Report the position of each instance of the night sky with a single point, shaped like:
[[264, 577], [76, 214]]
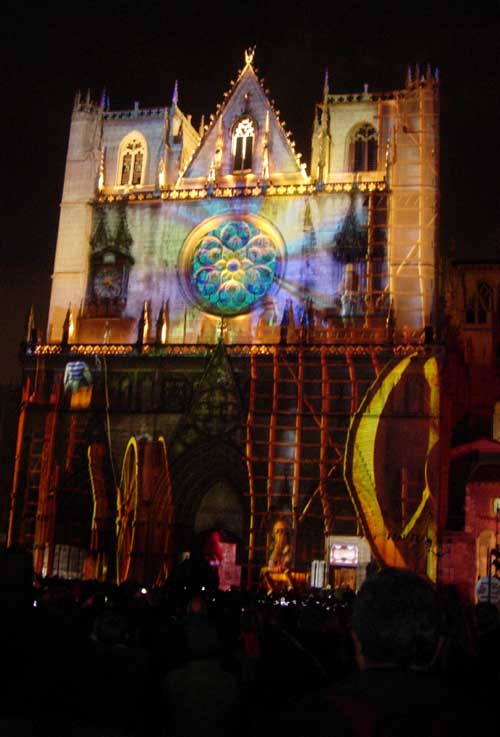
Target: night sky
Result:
[[137, 51]]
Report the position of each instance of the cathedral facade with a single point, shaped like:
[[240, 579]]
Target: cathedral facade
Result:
[[236, 340]]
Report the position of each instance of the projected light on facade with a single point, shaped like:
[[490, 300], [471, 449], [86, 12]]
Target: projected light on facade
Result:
[[391, 462], [232, 266]]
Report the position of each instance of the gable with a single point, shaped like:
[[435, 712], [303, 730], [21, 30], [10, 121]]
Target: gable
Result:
[[272, 154]]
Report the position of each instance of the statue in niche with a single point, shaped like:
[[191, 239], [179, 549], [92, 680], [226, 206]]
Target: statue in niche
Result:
[[349, 294], [268, 318], [278, 573], [217, 157]]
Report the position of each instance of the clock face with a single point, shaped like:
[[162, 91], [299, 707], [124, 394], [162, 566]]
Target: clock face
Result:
[[108, 283]]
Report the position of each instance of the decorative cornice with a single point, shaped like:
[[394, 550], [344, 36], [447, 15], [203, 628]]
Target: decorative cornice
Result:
[[203, 193], [157, 112], [232, 349], [339, 99]]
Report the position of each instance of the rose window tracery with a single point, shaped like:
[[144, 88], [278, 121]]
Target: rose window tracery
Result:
[[233, 266]]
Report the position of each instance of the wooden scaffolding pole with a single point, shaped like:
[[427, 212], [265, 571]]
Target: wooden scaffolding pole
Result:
[[48, 475], [298, 447], [323, 472], [17, 462], [272, 435], [251, 478]]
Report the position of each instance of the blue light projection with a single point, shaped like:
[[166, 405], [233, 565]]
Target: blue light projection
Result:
[[233, 266]]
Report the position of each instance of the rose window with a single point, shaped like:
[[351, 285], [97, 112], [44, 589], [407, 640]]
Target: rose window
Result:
[[232, 267]]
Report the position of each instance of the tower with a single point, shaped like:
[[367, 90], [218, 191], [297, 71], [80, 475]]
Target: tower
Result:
[[83, 161]]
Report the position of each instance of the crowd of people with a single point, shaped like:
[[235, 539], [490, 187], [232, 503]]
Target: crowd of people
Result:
[[400, 657]]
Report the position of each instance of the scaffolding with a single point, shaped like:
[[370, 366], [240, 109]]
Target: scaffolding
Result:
[[413, 200], [300, 407]]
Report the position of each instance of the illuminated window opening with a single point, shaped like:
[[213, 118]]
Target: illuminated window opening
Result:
[[132, 161], [364, 149], [242, 145]]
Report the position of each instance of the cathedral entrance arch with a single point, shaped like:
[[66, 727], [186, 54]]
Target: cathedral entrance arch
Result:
[[220, 508], [210, 490]]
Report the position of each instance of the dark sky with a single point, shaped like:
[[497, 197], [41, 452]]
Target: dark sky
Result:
[[138, 50]]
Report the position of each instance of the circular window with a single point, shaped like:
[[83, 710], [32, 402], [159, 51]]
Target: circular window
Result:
[[232, 266]]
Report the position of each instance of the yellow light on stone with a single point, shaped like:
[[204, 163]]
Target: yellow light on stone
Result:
[[71, 328]]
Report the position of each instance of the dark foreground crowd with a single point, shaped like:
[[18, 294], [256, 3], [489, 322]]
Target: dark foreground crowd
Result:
[[400, 659]]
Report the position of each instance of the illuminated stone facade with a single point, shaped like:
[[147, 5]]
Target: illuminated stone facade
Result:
[[239, 335], [356, 236]]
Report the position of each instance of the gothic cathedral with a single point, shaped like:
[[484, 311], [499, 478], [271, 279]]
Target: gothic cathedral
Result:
[[238, 339]]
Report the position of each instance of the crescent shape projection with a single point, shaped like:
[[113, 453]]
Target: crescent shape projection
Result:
[[395, 540]]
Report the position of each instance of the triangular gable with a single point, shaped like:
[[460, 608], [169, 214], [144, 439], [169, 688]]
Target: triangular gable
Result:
[[273, 156]]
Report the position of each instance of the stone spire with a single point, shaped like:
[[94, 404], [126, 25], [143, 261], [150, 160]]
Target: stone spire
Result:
[[123, 238], [31, 335], [66, 328], [265, 150], [175, 94], [249, 55], [162, 324], [326, 87], [100, 238], [323, 133], [143, 325]]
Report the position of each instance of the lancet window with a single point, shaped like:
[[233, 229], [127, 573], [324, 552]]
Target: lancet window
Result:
[[132, 162], [243, 144], [364, 148], [479, 304]]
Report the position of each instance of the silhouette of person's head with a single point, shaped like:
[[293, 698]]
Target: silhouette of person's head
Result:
[[16, 580], [396, 620]]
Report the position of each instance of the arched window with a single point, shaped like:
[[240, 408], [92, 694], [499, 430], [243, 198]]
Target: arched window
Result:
[[132, 161], [363, 148], [479, 304], [485, 302], [242, 144]]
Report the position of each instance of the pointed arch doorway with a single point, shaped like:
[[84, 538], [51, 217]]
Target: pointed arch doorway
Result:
[[220, 508], [221, 511], [210, 487]]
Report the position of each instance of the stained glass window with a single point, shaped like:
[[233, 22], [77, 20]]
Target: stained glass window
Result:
[[243, 139], [232, 267], [479, 304], [132, 162], [137, 174], [126, 165]]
